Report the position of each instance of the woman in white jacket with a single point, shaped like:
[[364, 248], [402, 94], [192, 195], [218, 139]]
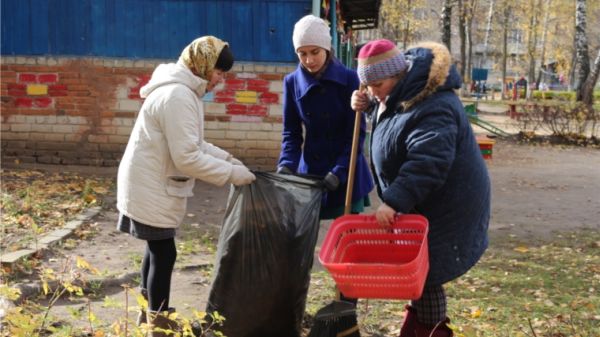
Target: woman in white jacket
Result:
[[165, 153]]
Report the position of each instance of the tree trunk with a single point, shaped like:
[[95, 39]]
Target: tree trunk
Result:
[[587, 92], [463, 38], [447, 24], [581, 44], [573, 67], [469, 39], [532, 41], [507, 10], [544, 34], [488, 30], [407, 27]]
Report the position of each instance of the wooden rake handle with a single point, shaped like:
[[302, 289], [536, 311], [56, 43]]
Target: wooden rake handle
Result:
[[353, 155]]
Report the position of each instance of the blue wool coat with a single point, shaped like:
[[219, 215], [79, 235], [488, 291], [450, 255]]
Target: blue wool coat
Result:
[[322, 108], [426, 160]]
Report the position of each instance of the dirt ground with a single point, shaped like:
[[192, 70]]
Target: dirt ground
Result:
[[536, 190]]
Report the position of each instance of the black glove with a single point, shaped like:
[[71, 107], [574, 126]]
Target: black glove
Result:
[[284, 170], [331, 182]]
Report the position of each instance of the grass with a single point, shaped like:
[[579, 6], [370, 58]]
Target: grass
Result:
[[549, 289], [522, 289]]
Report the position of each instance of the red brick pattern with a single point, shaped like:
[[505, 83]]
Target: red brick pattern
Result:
[[93, 108], [261, 86], [142, 80], [17, 90]]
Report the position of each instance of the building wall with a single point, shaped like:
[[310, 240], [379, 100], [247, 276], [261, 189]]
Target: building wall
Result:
[[80, 111], [257, 30]]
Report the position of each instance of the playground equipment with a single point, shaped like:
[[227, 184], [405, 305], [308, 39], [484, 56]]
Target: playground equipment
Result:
[[471, 111]]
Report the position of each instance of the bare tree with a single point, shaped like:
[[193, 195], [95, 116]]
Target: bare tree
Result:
[[581, 46], [488, 30], [532, 35], [463, 38], [505, 27], [544, 36], [447, 23], [470, 7], [407, 27], [587, 90]]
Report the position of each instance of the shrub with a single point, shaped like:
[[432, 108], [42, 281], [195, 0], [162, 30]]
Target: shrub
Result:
[[562, 120]]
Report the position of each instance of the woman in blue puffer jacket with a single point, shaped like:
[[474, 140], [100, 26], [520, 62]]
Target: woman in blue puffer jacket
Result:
[[426, 160]]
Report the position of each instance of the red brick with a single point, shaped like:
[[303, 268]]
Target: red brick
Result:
[[57, 90], [258, 83], [47, 78], [235, 84], [225, 93], [142, 80], [237, 109], [8, 74], [271, 77], [57, 93], [57, 87], [17, 92], [258, 88], [17, 86], [27, 78], [23, 102], [222, 118], [257, 110], [42, 102], [224, 99], [65, 106], [125, 114], [70, 75], [269, 98]]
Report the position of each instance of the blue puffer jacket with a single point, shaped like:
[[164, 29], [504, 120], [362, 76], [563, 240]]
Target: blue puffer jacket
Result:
[[322, 108], [426, 160]]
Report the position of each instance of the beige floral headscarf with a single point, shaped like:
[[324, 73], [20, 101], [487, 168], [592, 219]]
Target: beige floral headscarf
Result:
[[201, 55]]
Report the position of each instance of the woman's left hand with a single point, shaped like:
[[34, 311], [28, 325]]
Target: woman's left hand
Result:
[[385, 215]]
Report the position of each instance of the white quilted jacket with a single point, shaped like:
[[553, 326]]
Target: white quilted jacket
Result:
[[166, 150]]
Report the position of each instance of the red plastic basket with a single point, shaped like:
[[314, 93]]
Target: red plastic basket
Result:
[[370, 261]]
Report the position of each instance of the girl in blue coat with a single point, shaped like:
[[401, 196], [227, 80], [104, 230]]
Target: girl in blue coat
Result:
[[426, 160], [318, 125], [318, 120]]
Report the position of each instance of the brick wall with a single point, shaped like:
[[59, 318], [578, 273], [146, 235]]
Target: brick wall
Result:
[[80, 111]]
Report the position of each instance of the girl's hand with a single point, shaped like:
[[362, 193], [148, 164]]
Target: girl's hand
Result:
[[359, 101], [385, 215]]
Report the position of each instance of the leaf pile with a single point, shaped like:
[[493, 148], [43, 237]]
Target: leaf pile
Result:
[[34, 203]]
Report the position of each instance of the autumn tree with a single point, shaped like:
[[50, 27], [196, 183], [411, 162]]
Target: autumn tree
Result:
[[466, 10], [581, 46], [403, 20], [506, 15], [587, 90], [447, 23], [547, 9]]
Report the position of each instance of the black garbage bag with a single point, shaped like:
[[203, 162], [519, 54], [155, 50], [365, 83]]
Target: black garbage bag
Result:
[[264, 256]]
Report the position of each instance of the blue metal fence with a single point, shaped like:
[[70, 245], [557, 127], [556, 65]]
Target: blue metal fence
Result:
[[257, 30]]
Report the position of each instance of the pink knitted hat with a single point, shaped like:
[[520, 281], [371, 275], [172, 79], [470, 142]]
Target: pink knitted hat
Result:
[[379, 59]]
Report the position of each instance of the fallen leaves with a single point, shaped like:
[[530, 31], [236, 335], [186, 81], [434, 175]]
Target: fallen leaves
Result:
[[34, 202]]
